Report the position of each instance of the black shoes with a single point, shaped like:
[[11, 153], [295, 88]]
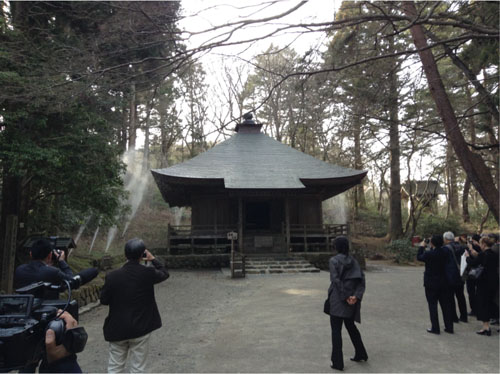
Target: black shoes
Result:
[[463, 319], [432, 331], [360, 358], [449, 331], [484, 332], [340, 368]]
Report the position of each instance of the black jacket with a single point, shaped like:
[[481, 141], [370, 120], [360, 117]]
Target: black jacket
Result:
[[129, 292], [452, 266], [347, 279], [435, 261], [38, 271]]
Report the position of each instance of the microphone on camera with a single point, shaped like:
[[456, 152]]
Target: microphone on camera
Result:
[[83, 277]]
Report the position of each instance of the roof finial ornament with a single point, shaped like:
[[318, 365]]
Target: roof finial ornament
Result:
[[248, 119]]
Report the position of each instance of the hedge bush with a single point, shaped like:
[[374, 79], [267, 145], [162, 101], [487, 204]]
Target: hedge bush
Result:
[[402, 250], [429, 225]]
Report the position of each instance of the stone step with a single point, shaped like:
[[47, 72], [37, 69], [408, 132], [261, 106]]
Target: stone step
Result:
[[280, 262], [282, 271], [282, 265], [270, 258], [301, 266]]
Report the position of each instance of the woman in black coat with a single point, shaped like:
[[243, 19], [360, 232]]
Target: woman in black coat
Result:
[[345, 293], [487, 283]]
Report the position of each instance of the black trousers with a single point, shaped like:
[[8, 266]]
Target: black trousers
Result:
[[443, 296], [458, 293], [336, 325], [471, 290]]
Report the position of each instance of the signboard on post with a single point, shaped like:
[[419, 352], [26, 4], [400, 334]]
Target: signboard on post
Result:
[[232, 235]]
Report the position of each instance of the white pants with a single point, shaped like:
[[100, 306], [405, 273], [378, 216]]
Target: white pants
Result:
[[137, 351]]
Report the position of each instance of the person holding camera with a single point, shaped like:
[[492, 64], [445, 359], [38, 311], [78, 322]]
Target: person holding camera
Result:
[[455, 281], [470, 282], [431, 252], [487, 282], [58, 359], [47, 265], [133, 313]]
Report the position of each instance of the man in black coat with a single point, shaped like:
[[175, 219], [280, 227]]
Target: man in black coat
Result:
[[435, 283], [41, 268], [455, 281], [133, 313]]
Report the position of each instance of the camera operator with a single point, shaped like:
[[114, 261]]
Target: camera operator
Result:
[[58, 359], [47, 265], [133, 313]]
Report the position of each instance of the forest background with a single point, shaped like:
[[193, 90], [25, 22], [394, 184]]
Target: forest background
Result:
[[95, 94]]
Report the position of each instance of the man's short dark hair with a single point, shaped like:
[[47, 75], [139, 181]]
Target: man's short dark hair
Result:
[[437, 240], [493, 236], [341, 244], [134, 249], [41, 249]]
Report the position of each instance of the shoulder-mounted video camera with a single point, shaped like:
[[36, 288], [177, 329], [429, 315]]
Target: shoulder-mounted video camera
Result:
[[24, 320]]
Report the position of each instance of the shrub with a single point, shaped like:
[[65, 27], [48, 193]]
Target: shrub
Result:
[[402, 250], [370, 223], [429, 225]]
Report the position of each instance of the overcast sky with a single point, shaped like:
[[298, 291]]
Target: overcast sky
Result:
[[200, 15]]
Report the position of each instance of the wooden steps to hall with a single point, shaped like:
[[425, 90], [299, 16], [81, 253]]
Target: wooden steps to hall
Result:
[[278, 265]]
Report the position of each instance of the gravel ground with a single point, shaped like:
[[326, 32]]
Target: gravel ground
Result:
[[275, 323]]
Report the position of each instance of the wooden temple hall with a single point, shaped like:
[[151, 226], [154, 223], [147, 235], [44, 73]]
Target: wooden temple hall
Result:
[[268, 193]]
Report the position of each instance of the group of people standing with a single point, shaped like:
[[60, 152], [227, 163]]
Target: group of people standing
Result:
[[450, 263]]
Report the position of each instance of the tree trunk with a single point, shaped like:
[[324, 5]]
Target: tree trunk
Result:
[[465, 201], [451, 166], [123, 137], [358, 163], [11, 203], [132, 129], [473, 164], [472, 137], [395, 217]]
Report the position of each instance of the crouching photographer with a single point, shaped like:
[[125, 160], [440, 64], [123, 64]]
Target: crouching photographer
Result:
[[46, 265], [34, 330], [35, 326]]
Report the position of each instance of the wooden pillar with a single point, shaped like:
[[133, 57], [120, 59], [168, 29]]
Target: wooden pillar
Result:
[[287, 223], [240, 225], [9, 254]]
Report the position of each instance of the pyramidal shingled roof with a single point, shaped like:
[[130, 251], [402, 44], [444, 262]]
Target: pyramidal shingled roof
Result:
[[252, 160]]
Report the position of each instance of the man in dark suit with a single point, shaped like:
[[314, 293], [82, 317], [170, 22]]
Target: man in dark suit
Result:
[[133, 313], [455, 281], [41, 268], [435, 282]]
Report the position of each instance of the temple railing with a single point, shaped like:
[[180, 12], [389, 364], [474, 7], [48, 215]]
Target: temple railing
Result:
[[313, 238], [199, 239], [212, 239]]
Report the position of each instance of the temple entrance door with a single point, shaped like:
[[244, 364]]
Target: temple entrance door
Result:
[[258, 215]]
